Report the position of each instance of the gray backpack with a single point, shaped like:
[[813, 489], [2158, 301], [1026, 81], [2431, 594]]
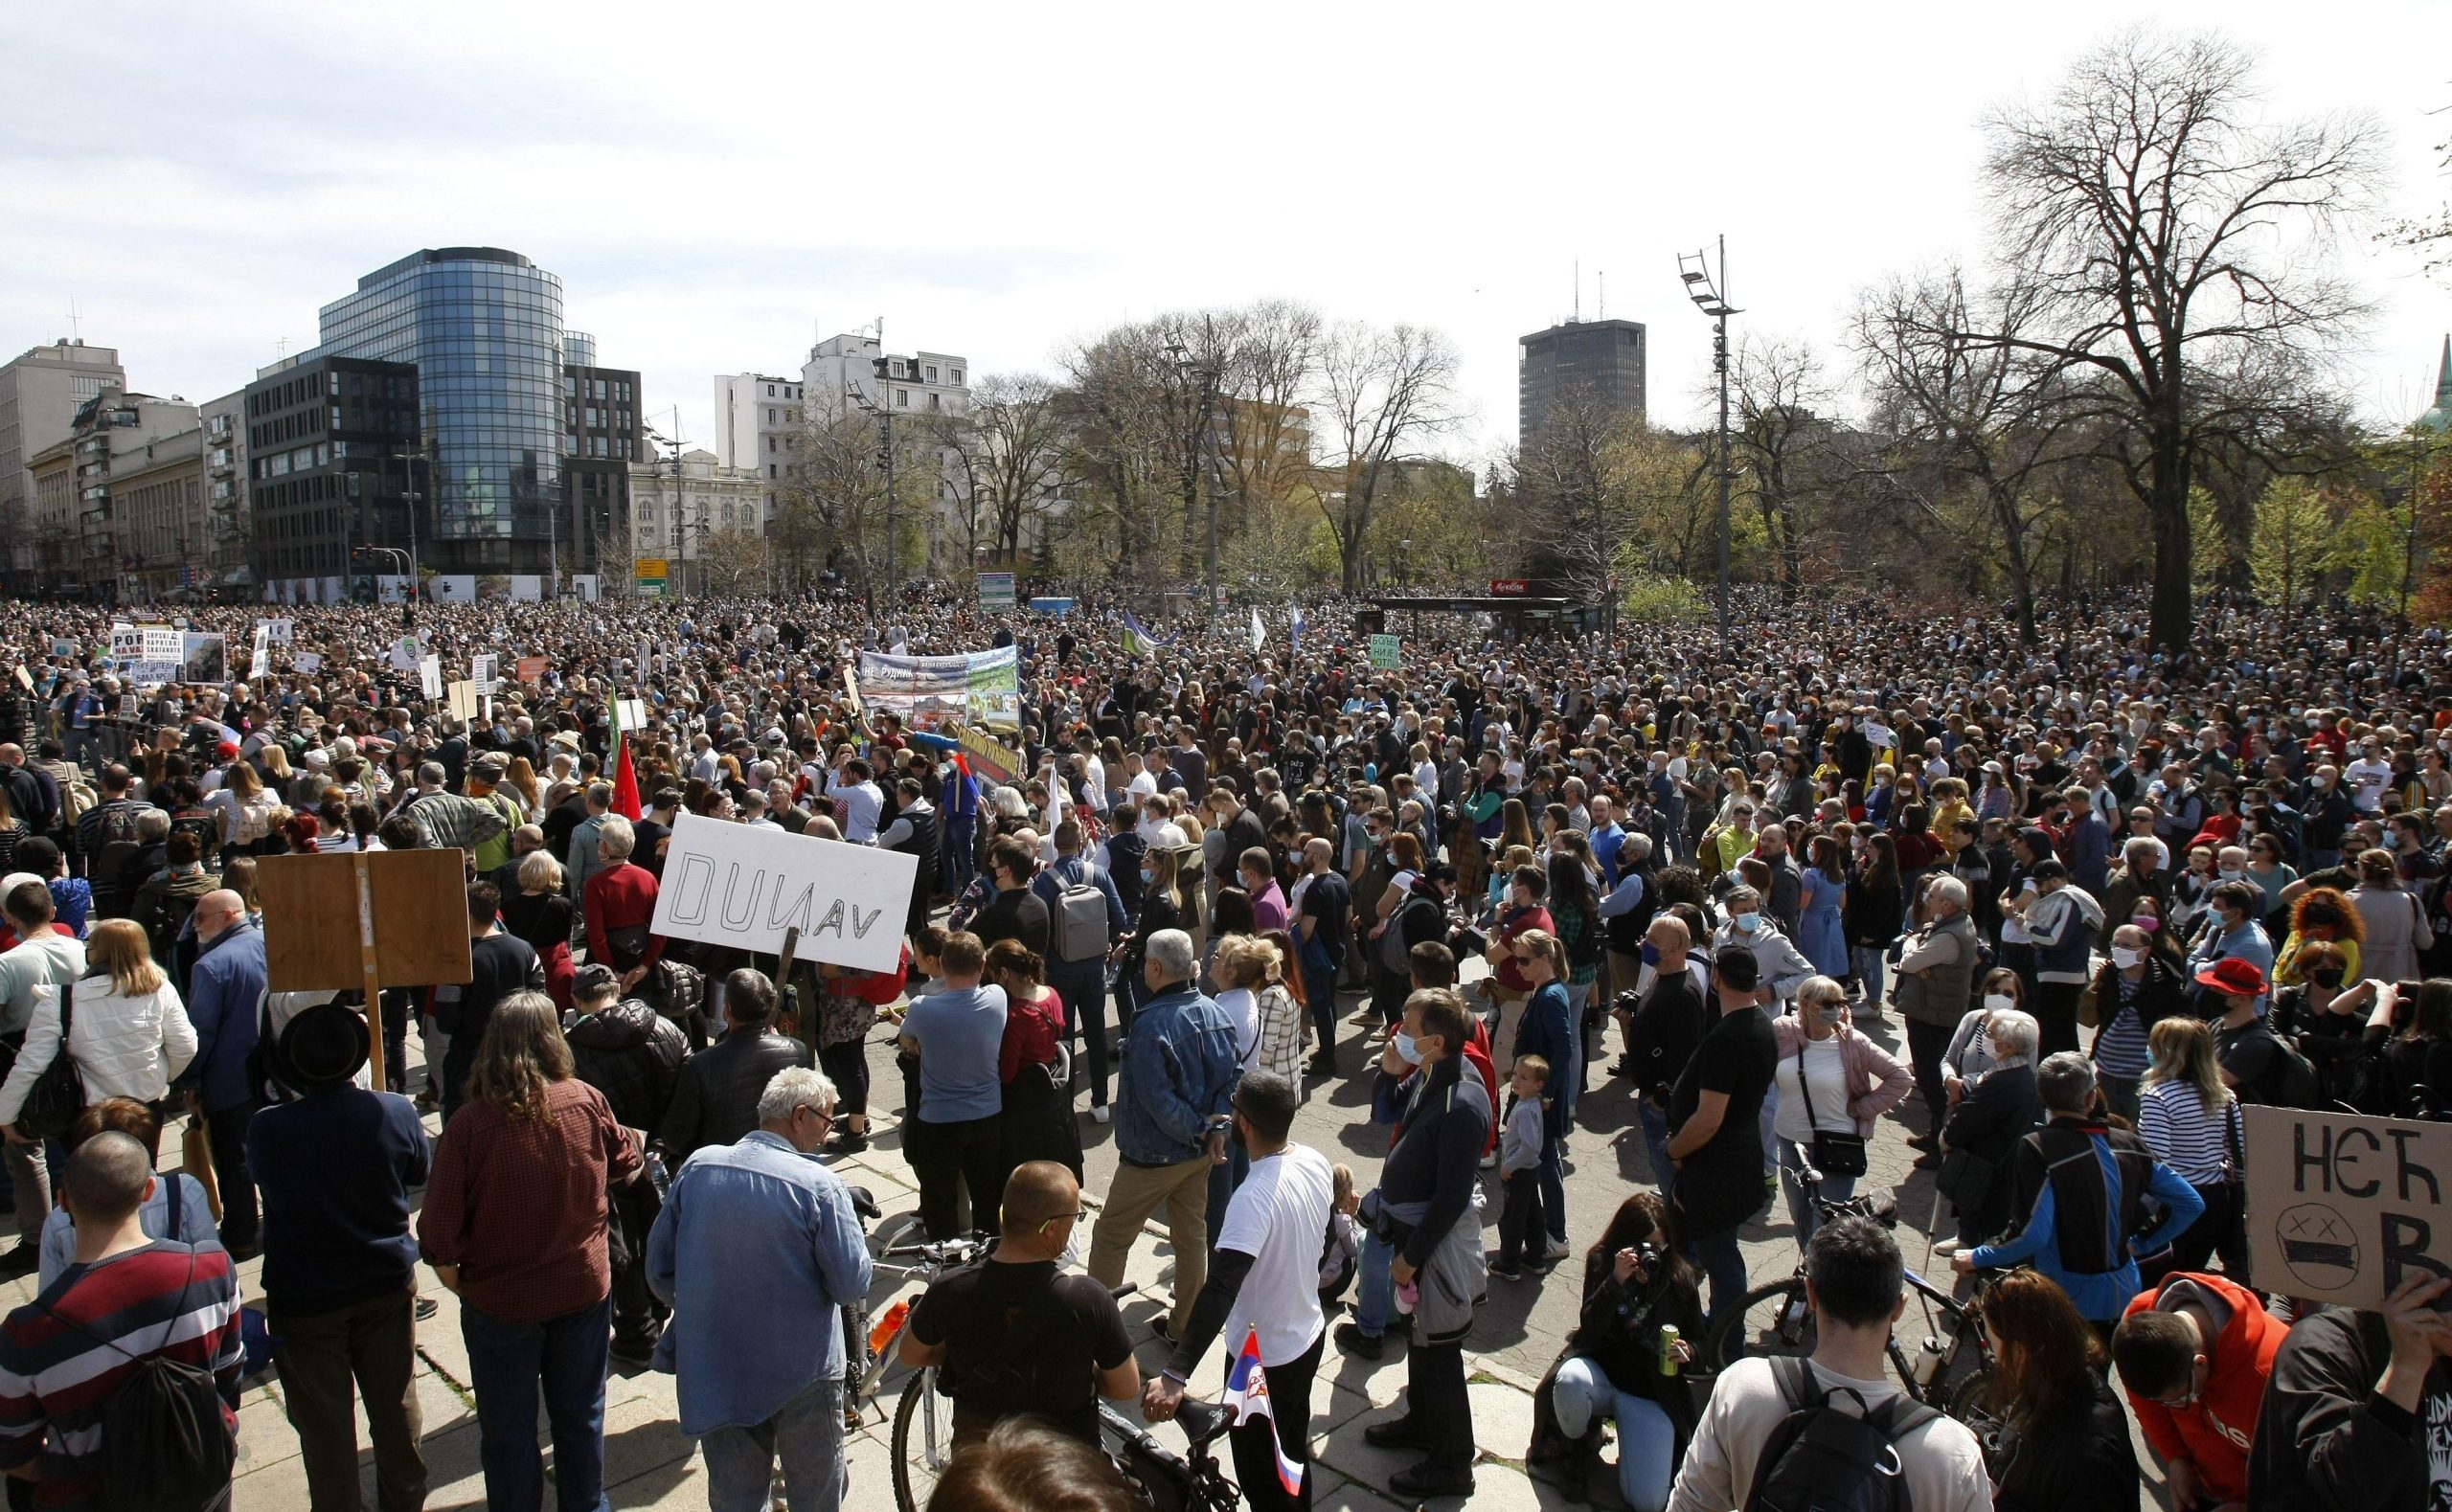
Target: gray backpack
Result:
[[1078, 922]]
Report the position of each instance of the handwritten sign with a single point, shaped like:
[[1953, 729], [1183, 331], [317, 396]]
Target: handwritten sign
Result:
[[1386, 655], [2342, 1207], [731, 885]]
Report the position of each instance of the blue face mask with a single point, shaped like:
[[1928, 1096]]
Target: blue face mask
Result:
[[1650, 953], [1406, 1050], [1147, 876], [1747, 924]]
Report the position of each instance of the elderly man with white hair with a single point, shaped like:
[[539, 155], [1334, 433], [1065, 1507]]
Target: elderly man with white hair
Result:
[[1172, 1104], [1936, 981], [760, 1369]]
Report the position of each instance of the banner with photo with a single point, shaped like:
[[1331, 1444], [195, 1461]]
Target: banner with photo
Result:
[[979, 687]]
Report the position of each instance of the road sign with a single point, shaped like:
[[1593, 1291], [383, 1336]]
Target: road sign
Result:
[[656, 566]]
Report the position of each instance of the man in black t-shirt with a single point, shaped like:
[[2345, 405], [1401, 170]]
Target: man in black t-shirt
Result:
[[1014, 1335], [1321, 926], [1715, 1113]]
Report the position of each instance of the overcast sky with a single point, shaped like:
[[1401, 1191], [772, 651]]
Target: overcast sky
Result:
[[716, 184]]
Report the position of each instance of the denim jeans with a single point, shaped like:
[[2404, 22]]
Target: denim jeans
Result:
[[1655, 1121], [807, 1432], [1646, 1440], [1871, 965], [1374, 1297], [1724, 1263], [1801, 1213], [1554, 1191], [509, 1365], [1320, 991], [1222, 1181]]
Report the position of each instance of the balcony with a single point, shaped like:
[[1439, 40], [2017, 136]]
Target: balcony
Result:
[[100, 492], [217, 429]]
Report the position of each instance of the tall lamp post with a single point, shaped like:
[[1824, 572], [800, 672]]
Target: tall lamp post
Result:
[[1707, 288], [680, 541], [1205, 372]]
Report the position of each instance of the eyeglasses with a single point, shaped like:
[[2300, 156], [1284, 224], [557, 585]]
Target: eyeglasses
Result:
[[1076, 1216]]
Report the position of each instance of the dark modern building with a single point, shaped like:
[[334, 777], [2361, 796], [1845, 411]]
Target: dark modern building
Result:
[[1603, 359], [483, 327], [602, 432], [331, 445]]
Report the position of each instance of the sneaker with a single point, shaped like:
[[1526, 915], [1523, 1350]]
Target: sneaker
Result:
[[1490, 1161], [1556, 1249], [846, 1142], [427, 1308], [1504, 1271], [23, 1258], [1945, 1247], [1100, 1114], [1354, 1342]]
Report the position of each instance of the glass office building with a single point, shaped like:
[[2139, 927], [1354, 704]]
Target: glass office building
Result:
[[484, 328]]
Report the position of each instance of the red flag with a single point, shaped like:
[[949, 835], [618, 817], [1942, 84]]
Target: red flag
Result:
[[625, 785]]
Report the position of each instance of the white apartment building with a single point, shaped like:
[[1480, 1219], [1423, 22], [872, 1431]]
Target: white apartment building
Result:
[[921, 391], [758, 417]]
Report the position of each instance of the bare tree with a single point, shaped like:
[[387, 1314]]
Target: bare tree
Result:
[[1986, 415], [1383, 390], [2165, 232], [1782, 423], [1013, 445]]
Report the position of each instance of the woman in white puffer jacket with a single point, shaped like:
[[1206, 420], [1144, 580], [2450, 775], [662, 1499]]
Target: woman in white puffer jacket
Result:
[[128, 1032]]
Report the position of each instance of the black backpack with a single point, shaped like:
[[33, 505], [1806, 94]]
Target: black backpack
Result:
[[167, 1447], [1823, 1459]]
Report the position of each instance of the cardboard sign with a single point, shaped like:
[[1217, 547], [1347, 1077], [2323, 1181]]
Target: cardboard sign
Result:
[[404, 654], [397, 918], [1385, 654], [204, 660], [430, 676], [482, 670], [634, 713], [307, 662], [852, 691], [127, 643], [532, 669], [2342, 1207], [992, 760], [128, 705], [463, 701], [279, 630], [731, 885], [259, 659]]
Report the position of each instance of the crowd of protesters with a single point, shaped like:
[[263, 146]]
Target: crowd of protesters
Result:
[[2048, 915]]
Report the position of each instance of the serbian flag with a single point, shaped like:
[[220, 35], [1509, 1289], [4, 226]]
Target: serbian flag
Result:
[[1248, 1396], [626, 778]]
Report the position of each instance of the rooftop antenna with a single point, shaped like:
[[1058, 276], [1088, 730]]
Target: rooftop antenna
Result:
[[76, 324], [1602, 279], [281, 347], [1577, 317]]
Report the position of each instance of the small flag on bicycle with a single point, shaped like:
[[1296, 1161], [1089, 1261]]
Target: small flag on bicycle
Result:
[[1247, 1395]]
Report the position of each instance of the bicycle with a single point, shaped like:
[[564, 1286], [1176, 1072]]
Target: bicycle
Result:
[[1952, 1366], [924, 1429]]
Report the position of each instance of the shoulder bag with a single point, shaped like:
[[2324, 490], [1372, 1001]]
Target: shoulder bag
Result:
[[59, 1095], [1832, 1154]]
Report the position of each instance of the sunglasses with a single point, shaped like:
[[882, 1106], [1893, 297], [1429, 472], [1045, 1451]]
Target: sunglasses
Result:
[[1076, 1216]]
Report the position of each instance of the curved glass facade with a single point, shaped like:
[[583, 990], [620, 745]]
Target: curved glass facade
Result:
[[484, 328]]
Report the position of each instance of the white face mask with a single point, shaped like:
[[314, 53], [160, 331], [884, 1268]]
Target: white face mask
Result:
[[2125, 957], [1998, 1003], [1406, 1050]]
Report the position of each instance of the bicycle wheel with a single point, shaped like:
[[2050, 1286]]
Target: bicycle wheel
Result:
[[923, 1439], [1774, 1319]]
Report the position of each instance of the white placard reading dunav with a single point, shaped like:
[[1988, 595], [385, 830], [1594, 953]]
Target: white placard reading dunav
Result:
[[731, 885]]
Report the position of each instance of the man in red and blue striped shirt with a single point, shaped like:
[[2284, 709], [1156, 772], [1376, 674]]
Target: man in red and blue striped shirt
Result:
[[125, 1299]]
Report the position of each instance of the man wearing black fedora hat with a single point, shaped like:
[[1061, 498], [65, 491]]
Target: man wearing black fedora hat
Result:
[[334, 1169]]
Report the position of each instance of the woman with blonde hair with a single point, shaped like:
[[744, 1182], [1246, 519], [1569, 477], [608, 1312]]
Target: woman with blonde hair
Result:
[[514, 1225], [127, 1033], [244, 806], [2191, 1121], [520, 777], [1833, 1082], [1269, 1026]]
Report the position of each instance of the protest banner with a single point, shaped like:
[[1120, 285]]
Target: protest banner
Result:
[[482, 670], [463, 701], [1386, 655], [430, 676], [1052, 605], [2341, 1206], [280, 630], [988, 757], [259, 659], [204, 660], [973, 687], [731, 885], [307, 662], [127, 643], [530, 669], [396, 918], [404, 654]]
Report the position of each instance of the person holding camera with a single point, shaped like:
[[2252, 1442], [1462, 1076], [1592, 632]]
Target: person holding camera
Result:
[[1642, 1310]]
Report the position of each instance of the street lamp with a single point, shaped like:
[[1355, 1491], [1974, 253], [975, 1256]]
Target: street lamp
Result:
[[1207, 373], [1710, 294], [408, 461], [680, 542]]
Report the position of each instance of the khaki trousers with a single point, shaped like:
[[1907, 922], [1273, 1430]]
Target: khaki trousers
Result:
[[1140, 1190]]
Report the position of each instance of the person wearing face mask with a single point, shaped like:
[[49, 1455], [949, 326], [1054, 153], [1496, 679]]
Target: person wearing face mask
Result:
[[1936, 975], [1784, 966], [2321, 915], [2326, 1013], [2135, 990], [2231, 930], [1832, 1081], [2062, 922]]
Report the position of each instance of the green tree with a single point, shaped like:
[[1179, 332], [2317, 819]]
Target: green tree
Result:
[[2294, 542]]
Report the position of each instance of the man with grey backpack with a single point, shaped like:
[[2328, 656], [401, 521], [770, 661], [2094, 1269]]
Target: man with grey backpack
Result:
[[1831, 1432], [1086, 916]]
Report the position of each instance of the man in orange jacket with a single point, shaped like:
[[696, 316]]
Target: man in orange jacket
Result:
[[2193, 1354]]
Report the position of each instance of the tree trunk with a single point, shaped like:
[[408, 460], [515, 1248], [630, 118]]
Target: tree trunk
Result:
[[2166, 509], [2013, 537]]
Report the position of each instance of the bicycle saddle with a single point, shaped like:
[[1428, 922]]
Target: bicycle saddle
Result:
[[865, 1204], [1202, 1421]]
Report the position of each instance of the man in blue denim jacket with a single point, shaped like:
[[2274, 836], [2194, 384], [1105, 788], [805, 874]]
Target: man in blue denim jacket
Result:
[[1172, 1100]]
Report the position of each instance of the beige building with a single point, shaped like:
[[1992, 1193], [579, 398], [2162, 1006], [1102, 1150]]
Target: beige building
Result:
[[120, 506], [39, 394], [673, 527]]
